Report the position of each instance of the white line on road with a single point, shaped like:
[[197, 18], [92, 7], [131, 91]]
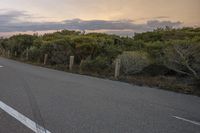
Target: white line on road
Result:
[[1, 66], [23, 119], [190, 121]]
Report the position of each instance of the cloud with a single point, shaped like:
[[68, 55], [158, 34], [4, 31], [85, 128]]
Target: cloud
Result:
[[15, 21], [152, 18], [8, 17]]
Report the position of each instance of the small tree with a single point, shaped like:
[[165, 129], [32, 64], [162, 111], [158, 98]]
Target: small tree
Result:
[[184, 57], [133, 62]]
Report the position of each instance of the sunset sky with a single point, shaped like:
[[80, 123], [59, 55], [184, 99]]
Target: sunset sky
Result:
[[112, 16]]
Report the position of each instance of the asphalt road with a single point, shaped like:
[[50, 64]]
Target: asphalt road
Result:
[[68, 103]]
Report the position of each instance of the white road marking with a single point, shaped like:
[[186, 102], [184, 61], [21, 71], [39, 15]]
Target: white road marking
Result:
[[190, 121], [23, 119], [1, 66]]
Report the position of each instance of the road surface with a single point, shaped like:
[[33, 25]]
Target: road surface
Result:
[[36, 99]]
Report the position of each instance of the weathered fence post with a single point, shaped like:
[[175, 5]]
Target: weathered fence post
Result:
[[80, 66], [45, 59], [27, 54], [117, 68], [8, 54], [3, 52], [71, 63], [15, 53]]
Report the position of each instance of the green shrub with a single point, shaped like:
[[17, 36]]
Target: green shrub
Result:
[[183, 57], [34, 54], [85, 46], [156, 70], [133, 62], [98, 64], [155, 50], [58, 51]]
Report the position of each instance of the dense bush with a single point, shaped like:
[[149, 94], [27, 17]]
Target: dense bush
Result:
[[167, 34], [157, 70], [134, 62], [19, 43], [98, 64], [57, 51], [85, 46], [184, 57], [34, 54]]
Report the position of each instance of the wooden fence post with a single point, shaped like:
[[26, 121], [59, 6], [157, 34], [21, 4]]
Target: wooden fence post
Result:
[[117, 68], [3, 52], [71, 63], [8, 54], [45, 59], [27, 54], [15, 53], [80, 66]]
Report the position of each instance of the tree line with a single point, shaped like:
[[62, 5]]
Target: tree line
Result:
[[164, 51]]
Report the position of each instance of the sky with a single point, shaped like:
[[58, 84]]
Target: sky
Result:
[[122, 17]]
